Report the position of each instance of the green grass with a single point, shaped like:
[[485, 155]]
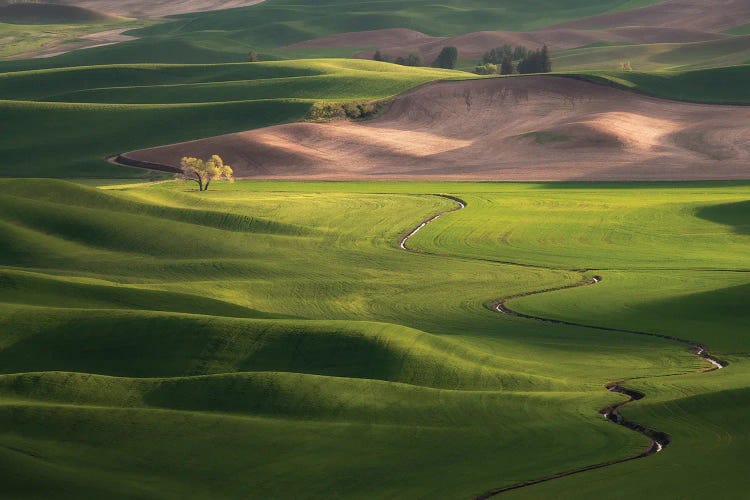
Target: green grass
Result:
[[714, 86], [657, 57], [88, 112], [270, 339], [546, 137], [742, 30], [19, 39]]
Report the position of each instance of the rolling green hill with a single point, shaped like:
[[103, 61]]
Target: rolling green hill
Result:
[[715, 86], [48, 13], [94, 109], [275, 23], [271, 339], [228, 35], [658, 57]]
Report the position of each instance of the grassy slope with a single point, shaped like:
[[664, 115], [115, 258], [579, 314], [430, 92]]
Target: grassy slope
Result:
[[715, 86], [18, 39], [742, 30], [657, 57], [596, 226], [381, 364], [33, 13], [362, 375], [174, 103]]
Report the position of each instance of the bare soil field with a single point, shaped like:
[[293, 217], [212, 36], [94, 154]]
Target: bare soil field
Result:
[[531, 128]]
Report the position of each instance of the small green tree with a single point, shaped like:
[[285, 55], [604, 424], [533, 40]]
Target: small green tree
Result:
[[203, 172], [414, 59], [252, 56], [486, 69], [545, 60], [447, 59]]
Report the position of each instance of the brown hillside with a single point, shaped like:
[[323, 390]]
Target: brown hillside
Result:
[[530, 128], [703, 15]]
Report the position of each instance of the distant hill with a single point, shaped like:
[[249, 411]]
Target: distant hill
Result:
[[156, 8], [47, 13]]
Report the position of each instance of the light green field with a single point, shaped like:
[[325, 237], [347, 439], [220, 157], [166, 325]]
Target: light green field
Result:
[[66, 121], [19, 39], [270, 339]]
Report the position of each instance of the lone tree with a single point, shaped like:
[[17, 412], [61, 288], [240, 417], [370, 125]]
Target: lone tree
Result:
[[252, 56], [447, 59], [203, 172], [486, 69]]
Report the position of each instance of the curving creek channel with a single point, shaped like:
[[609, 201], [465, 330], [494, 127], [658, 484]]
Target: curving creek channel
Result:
[[659, 439]]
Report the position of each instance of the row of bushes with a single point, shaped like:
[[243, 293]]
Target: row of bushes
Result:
[[325, 111]]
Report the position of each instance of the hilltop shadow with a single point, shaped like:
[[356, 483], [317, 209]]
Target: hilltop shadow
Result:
[[736, 215]]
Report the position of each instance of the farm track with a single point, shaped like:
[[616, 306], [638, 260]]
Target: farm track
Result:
[[659, 440]]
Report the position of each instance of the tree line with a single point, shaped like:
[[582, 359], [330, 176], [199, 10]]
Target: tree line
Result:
[[447, 59], [503, 60], [507, 59]]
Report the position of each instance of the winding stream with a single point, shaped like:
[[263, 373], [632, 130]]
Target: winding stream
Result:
[[659, 440]]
